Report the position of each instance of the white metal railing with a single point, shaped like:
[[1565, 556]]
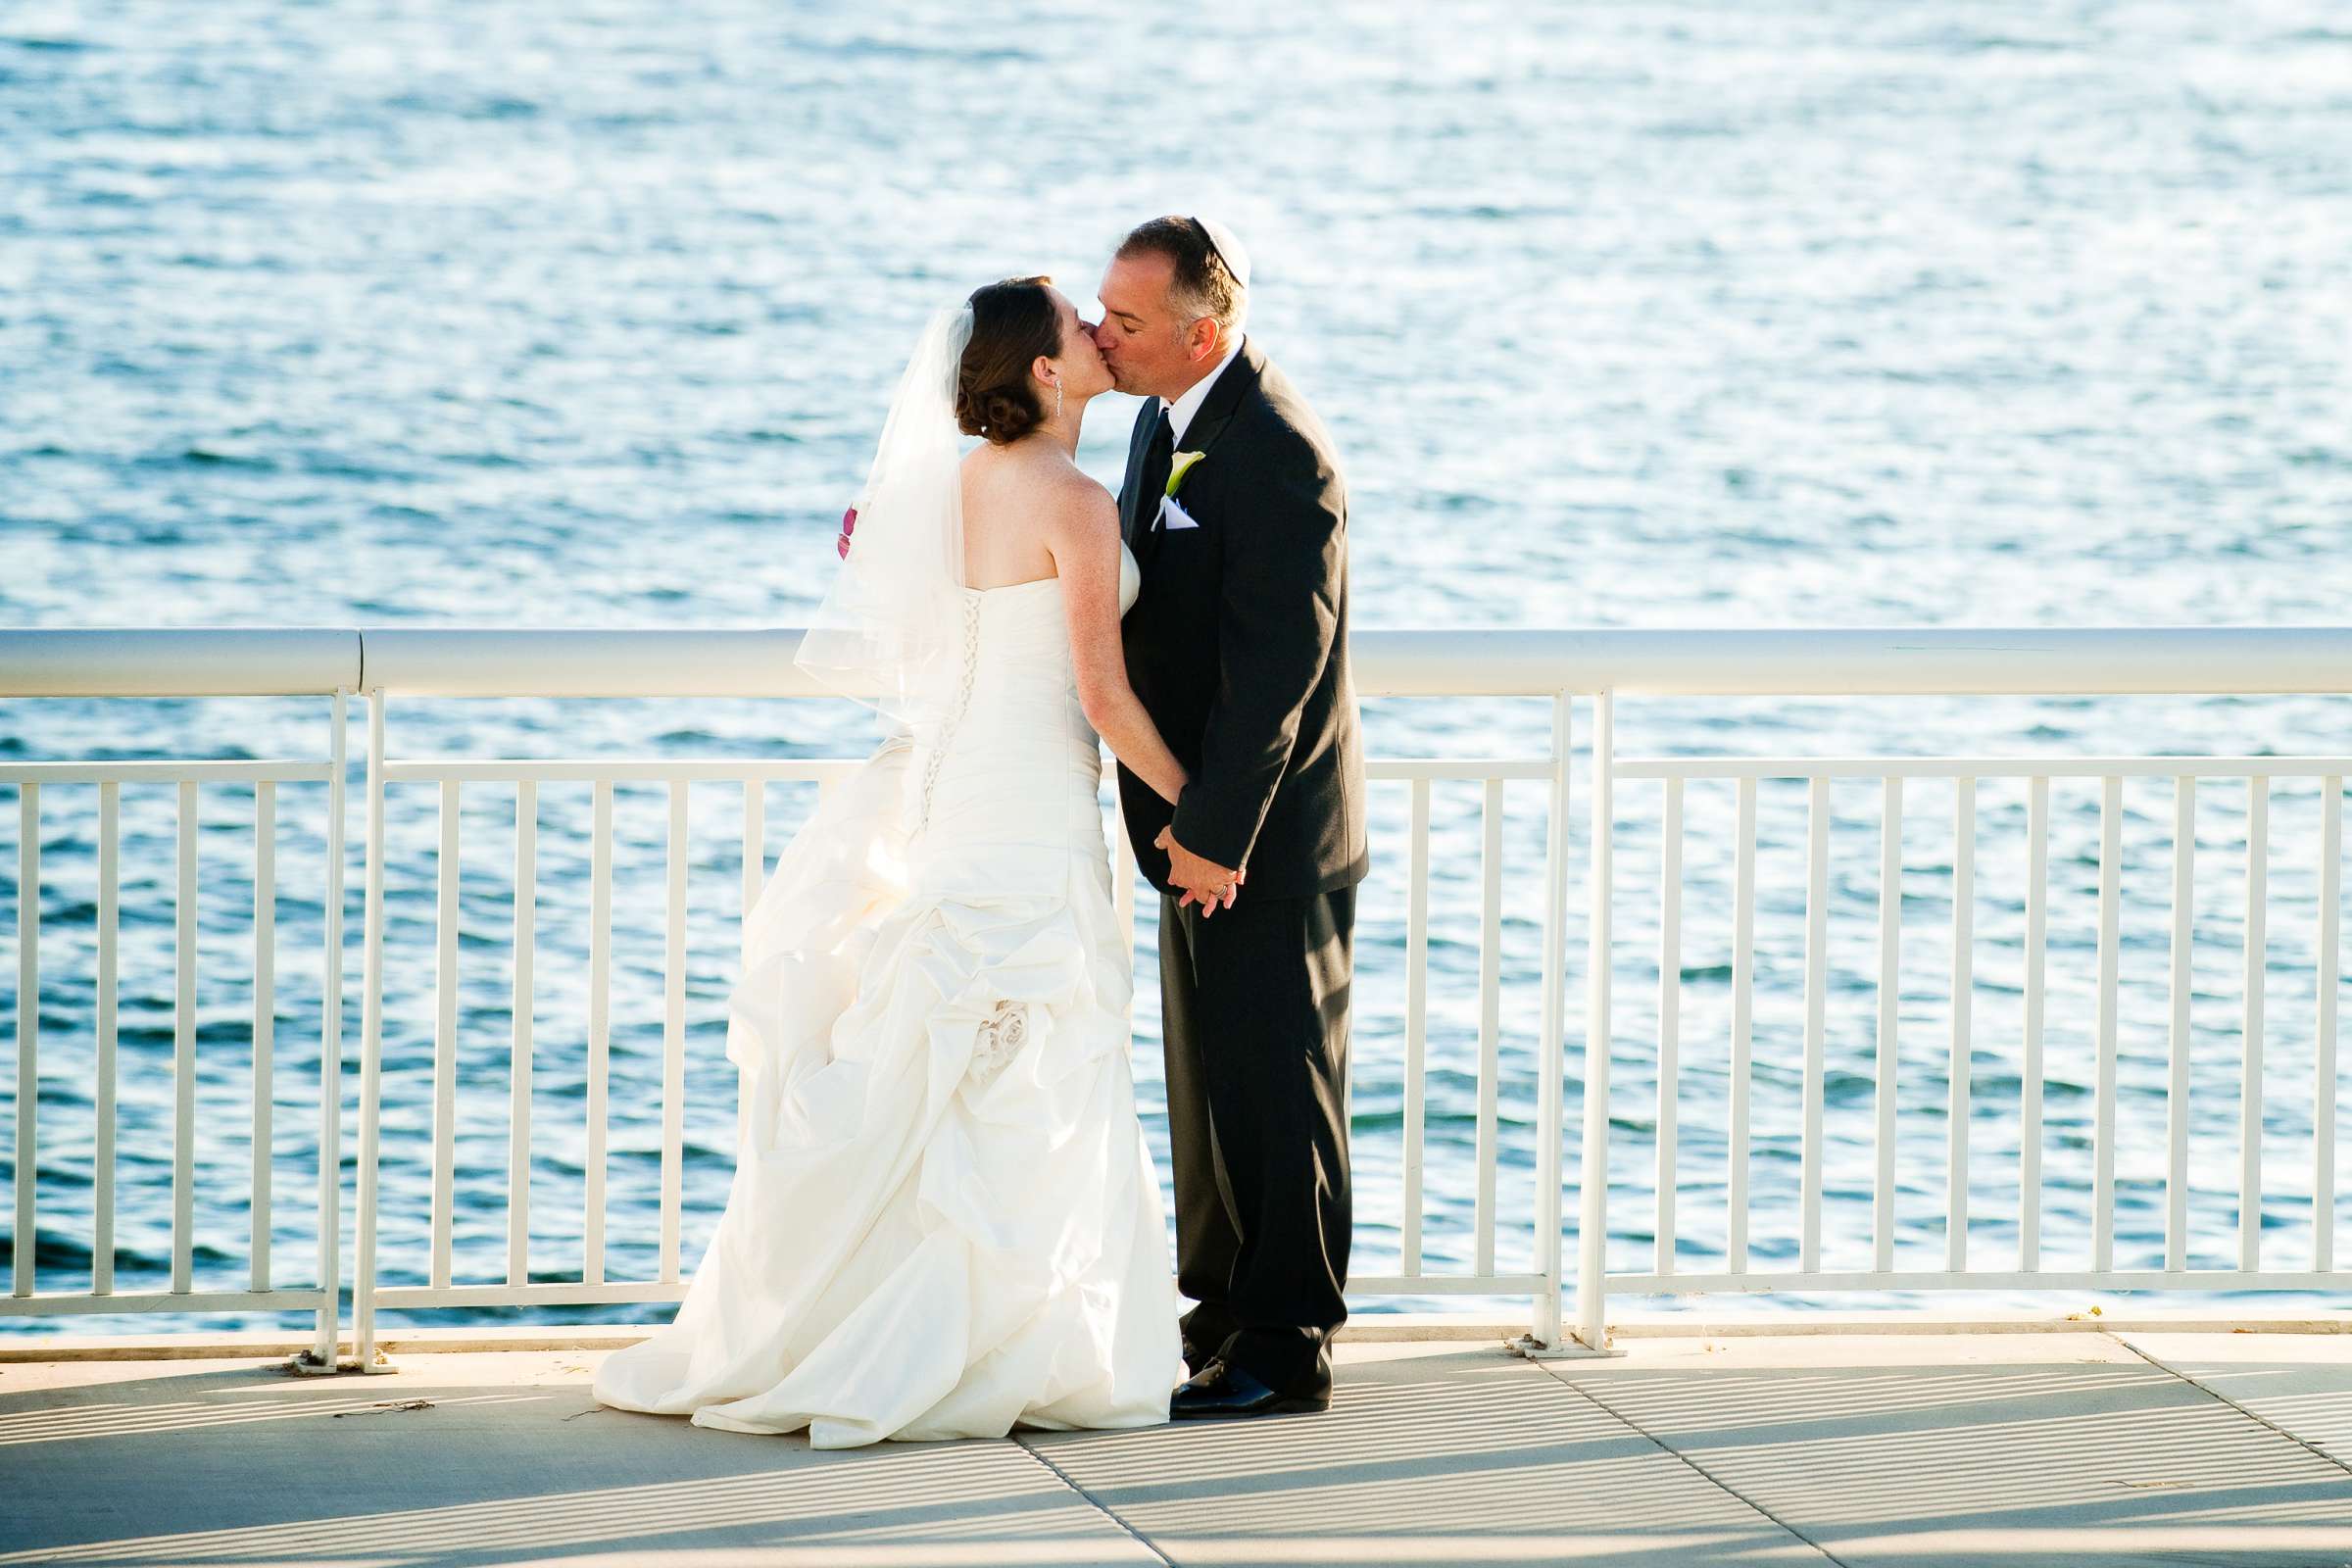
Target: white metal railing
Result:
[[1556, 666], [185, 778], [1963, 1270]]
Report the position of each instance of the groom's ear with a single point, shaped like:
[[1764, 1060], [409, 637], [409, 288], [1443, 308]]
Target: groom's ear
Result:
[[1201, 340]]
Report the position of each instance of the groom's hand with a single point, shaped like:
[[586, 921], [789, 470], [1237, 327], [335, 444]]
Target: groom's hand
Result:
[[1205, 881]]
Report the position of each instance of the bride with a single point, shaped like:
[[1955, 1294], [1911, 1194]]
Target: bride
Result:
[[944, 1219]]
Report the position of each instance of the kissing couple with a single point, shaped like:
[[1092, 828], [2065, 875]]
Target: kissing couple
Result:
[[943, 1220]]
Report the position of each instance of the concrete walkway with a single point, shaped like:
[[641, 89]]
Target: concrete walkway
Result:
[[2096, 1449]]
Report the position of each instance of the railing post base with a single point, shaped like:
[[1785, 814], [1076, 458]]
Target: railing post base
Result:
[[310, 1364], [1569, 1348]]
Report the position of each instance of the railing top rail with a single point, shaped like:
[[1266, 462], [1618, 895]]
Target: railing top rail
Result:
[[196, 662], [1841, 660]]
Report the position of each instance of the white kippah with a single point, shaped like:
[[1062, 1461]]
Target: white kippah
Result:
[[1229, 247]]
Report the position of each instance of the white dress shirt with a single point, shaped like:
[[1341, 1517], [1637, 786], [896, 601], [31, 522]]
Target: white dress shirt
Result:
[[1180, 413]]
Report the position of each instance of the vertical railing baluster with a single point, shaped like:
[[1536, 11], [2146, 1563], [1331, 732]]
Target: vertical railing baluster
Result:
[[1122, 883], [1593, 1190], [2037, 925], [1817, 972], [1416, 1023], [445, 1034], [330, 1051], [1890, 943], [519, 1051], [754, 841], [1346, 1092], [1347, 1062], [600, 1043], [2102, 1217], [1963, 1055], [1490, 1021], [2249, 1103], [755, 878], [372, 1048], [1549, 1069], [1670, 997], [110, 841], [673, 1034], [264, 1018], [2176, 1097], [1743, 972], [23, 1256], [183, 1052], [2323, 1088]]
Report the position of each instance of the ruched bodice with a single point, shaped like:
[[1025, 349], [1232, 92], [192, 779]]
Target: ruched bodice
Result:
[[1013, 765]]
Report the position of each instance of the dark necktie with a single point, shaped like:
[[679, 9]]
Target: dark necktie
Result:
[[1159, 458]]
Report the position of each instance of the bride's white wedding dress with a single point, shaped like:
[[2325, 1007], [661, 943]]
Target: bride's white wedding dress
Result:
[[944, 1219]]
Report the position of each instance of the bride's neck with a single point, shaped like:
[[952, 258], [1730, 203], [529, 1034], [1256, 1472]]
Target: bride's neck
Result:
[[1062, 431]]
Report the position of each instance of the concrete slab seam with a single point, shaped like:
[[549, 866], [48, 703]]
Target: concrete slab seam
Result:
[[1095, 1502], [2255, 1416], [1557, 1373]]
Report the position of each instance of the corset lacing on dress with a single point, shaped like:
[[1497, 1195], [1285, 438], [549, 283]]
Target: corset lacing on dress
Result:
[[964, 699], [1000, 1039]]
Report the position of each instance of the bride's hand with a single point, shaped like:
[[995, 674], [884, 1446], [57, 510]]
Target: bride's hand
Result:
[[1214, 886], [1231, 892]]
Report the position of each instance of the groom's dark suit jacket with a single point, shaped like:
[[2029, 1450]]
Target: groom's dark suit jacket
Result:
[[1238, 643]]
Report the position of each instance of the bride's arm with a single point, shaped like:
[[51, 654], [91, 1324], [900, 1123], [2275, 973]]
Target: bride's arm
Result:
[[1083, 533]]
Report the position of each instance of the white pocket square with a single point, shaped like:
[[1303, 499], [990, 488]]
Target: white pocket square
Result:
[[1173, 516]]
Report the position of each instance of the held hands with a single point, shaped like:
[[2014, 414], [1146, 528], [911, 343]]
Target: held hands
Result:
[[1211, 885]]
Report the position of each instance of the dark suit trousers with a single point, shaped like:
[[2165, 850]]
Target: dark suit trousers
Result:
[[1254, 1003]]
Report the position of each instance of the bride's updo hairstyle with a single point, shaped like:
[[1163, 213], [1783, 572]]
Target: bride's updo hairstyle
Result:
[[1013, 322]]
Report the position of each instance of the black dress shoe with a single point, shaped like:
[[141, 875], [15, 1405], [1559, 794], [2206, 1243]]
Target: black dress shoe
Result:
[[1221, 1389]]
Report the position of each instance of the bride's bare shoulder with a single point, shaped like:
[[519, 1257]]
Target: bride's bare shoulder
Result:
[[1073, 499], [1074, 486], [1042, 485]]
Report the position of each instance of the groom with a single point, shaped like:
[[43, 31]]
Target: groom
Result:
[[1238, 647]]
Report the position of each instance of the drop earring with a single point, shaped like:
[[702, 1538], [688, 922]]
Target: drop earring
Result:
[[1057, 400]]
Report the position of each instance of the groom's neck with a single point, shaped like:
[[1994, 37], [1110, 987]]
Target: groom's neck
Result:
[[1203, 368]]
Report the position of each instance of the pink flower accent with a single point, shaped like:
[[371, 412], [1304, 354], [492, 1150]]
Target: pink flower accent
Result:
[[849, 527]]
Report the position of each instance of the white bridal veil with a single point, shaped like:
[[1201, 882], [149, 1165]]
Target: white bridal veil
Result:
[[889, 631]]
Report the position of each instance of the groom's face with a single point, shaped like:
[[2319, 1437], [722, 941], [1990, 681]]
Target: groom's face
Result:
[[1150, 352]]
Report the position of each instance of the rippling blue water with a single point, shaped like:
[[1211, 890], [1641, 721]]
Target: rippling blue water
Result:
[[1623, 314]]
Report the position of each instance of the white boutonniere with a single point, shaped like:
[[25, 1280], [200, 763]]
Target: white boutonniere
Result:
[[1177, 469], [1171, 512]]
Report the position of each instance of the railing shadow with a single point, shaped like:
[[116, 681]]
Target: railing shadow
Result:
[[2070, 1452], [2107, 1461], [440, 1472]]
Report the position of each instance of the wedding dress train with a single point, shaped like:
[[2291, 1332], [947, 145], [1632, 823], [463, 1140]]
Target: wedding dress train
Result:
[[944, 1219]]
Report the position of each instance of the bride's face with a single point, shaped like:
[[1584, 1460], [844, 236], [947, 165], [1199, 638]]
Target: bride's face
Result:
[[1080, 364]]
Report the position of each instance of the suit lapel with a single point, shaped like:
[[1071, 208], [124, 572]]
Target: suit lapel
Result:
[[1209, 421], [1137, 509]]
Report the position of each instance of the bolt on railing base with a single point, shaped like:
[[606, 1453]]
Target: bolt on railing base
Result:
[[307, 1364], [1569, 1348]]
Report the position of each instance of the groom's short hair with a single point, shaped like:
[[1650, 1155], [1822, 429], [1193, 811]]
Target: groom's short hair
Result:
[[1202, 285]]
